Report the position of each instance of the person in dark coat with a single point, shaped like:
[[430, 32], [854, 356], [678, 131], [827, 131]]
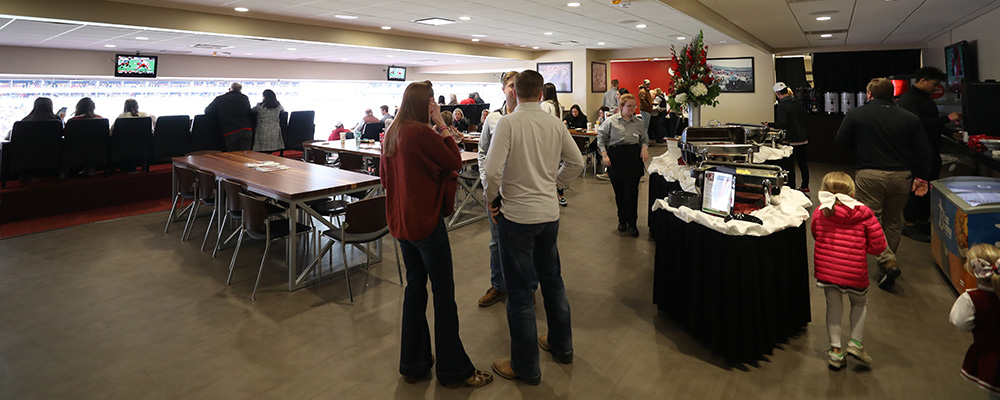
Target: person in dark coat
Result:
[[917, 100], [231, 113], [791, 116]]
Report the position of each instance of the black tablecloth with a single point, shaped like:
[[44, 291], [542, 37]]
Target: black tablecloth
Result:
[[659, 188], [739, 295]]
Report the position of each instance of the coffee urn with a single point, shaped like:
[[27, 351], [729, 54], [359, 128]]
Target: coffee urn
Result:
[[831, 102]]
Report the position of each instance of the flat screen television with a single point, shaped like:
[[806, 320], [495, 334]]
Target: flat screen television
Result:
[[134, 66], [961, 64], [396, 73]]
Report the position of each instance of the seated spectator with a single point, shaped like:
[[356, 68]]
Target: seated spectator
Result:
[[470, 100], [85, 109], [385, 114], [479, 100], [340, 130], [452, 99], [42, 111], [449, 121], [482, 119], [602, 114], [132, 111], [368, 118], [440, 100], [575, 119], [461, 123]]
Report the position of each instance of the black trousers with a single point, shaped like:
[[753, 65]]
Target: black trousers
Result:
[[801, 157], [626, 170], [242, 140]]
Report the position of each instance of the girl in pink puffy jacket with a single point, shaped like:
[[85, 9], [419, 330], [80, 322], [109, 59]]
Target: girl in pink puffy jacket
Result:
[[845, 232]]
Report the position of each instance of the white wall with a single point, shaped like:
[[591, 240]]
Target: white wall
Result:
[[745, 107], [983, 31]]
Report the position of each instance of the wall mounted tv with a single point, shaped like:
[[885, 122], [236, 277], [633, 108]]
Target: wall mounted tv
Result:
[[396, 73], [962, 66], [135, 66]]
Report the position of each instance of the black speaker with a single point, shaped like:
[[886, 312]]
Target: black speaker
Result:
[[979, 106]]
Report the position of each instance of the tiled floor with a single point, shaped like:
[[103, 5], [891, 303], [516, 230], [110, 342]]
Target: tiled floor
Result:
[[120, 310]]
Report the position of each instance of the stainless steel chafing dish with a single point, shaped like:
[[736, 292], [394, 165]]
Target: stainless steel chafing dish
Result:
[[715, 143], [761, 135], [755, 183]]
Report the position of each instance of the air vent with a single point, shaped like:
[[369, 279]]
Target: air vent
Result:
[[427, 61], [832, 32], [802, 1], [209, 46], [567, 43]]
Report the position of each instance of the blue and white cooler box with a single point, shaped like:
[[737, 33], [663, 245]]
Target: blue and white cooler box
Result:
[[965, 211]]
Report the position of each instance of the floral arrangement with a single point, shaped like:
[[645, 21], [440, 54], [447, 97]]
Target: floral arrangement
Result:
[[692, 80]]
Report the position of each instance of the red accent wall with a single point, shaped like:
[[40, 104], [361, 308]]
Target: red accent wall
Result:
[[631, 74]]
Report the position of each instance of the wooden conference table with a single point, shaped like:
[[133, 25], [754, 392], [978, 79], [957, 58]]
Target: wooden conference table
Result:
[[468, 179], [301, 183]]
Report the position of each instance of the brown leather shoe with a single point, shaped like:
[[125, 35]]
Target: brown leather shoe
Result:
[[478, 379], [503, 368], [543, 342], [492, 297]]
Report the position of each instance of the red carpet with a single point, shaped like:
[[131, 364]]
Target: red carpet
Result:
[[18, 228]]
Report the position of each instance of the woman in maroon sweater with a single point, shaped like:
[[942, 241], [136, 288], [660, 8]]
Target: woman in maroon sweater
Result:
[[419, 173]]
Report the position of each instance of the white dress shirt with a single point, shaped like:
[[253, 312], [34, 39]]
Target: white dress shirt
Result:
[[522, 164]]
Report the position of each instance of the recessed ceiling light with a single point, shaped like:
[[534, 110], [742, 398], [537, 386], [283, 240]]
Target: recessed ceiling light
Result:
[[249, 54], [478, 35], [524, 45], [110, 45], [600, 43], [291, 49], [535, 47], [141, 38], [640, 26], [458, 60], [435, 21], [386, 27], [722, 41], [242, 9], [475, 40], [345, 16], [548, 33], [656, 59], [464, 18], [572, 4], [343, 59], [823, 18], [681, 38], [826, 35], [390, 56]]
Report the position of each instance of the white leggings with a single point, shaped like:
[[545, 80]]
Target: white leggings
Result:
[[835, 311]]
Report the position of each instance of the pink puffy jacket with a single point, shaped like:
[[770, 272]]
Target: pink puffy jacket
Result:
[[843, 242]]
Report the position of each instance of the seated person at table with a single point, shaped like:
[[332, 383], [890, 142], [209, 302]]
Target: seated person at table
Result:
[[85, 109], [482, 118], [367, 119], [575, 119], [469, 100], [340, 130], [385, 114], [461, 123], [449, 121], [452, 99]]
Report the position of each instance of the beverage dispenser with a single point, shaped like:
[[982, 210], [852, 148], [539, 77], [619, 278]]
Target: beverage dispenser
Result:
[[831, 102]]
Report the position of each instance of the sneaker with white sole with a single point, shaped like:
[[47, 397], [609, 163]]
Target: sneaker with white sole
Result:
[[603, 177], [563, 202], [836, 360], [857, 350]]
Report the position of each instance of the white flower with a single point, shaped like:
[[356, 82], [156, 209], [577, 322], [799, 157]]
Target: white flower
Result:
[[681, 98], [699, 90]]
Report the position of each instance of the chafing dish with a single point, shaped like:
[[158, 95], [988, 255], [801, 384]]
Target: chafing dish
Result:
[[718, 143], [756, 184], [761, 135]]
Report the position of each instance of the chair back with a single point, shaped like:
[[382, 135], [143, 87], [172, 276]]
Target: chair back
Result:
[[300, 128], [85, 142], [372, 131], [205, 134], [233, 190], [33, 145], [283, 125], [351, 162], [254, 214], [171, 138], [185, 180], [132, 140], [365, 216], [312, 155], [206, 185]]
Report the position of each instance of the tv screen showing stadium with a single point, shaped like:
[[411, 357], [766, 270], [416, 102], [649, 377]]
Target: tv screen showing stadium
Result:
[[396, 73], [127, 66]]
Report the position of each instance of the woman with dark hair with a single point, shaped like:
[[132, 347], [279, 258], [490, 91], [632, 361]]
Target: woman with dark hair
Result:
[[85, 109], [550, 103], [41, 111], [575, 119], [419, 165], [267, 135], [440, 102]]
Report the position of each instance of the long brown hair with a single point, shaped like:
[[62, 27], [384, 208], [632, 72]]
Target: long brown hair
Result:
[[413, 110], [132, 107]]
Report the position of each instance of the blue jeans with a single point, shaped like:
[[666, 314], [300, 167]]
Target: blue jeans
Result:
[[645, 119], [496, 275], [431, 257], [529, 257]]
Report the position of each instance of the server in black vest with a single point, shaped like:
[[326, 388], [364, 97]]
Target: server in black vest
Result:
[[623, 143], [231, 113], [918, 100], [791, 116]]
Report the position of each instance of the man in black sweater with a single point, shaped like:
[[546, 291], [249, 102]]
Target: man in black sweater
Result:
[[918, 101], [893, 158], [231, 113], [790, 116]]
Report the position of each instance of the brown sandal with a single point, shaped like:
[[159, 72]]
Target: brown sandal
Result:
[[478, 379]]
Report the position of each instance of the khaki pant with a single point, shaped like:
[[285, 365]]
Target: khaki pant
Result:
[[885, 192]]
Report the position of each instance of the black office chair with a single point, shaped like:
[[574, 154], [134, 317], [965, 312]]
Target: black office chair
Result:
[[33, 145], [372, 131], [85, 144], [131, 142], [300, 128], [205, 134], [171, 138]]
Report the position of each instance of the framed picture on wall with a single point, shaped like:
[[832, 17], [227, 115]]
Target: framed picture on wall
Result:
[[559, 73], [735, 75], [598, 77]]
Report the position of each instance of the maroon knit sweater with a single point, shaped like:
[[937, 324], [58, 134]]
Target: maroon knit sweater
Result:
[[419, 181], [843, 242]]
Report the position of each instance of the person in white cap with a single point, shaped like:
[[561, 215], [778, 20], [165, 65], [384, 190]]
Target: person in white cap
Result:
[[791, 116], [340, 130]]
